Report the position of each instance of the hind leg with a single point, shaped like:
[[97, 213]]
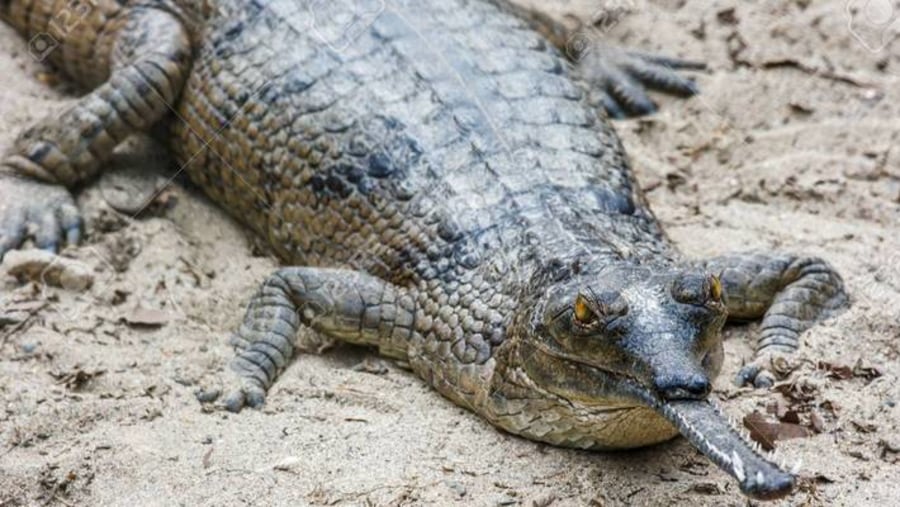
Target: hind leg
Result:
[[342, 304], [140, 71], [619, 78]]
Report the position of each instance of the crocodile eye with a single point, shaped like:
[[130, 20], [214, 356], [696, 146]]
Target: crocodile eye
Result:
[[693, 289], [715, 288], [584, 315]]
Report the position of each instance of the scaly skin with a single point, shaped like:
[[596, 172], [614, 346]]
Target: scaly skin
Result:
[[445, 192]]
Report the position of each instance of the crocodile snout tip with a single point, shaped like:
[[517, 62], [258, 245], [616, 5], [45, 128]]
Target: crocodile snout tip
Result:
[[770, 487]]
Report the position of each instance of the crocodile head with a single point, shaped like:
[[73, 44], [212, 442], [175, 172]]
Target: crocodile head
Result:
[[645, 339], [656, 329]]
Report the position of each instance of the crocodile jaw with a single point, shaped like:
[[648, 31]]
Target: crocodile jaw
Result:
[[704, 425]]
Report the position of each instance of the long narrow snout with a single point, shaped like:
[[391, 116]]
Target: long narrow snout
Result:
[[704, 425], [710, 431], [679, 391]]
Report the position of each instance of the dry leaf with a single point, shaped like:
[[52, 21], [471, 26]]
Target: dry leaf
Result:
[[800, 390], [844, 372], [790, 416], [836, 371], [767, 433]]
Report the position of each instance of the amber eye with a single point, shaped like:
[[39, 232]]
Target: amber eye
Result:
[[584, 315], [697, 290], [715, 288]]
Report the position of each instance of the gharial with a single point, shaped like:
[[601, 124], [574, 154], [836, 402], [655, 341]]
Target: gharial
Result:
[[443, 187]]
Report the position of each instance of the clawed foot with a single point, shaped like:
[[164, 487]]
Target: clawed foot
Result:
[[621, 78], [764, 370], [234, 393], [38, 210]]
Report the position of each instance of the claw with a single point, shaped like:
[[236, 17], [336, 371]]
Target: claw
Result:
[[763, 370], [764, 379], [628, 92], [239, 392], [668, 61], [47, 211], [73, 235], [661, 77], [756, 373], [623, 78], [234, 402], [245, 396], [255, 397], [12, 234], [611, 106], [207, 395], [747, 375], [47, 236], [70, 220]]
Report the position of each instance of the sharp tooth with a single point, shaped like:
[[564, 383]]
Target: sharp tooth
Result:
[[738, 465], [759, 477]]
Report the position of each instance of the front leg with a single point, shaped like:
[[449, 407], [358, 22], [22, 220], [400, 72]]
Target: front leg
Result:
[[619, 78], [136, 60], [790, 293], [342, 304]]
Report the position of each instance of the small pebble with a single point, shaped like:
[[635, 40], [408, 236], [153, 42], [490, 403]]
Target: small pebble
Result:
[[457, 488]]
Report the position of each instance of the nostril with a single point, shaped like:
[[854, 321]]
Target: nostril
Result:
[[684, 388], [699, 386]]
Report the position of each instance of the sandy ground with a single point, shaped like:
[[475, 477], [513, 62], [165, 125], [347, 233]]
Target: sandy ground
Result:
[[792, 145]]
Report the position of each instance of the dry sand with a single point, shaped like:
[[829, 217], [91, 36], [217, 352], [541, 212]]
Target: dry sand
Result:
[[792, 145]]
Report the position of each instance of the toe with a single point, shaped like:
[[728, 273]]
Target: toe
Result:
[[241, 391], [248, 395], [613, 108], [630, 94], [764, 379], [667, 61], [47, 233], [207, 395], [234, 401], [747, 375], [70, 221], [12, 233], [254, 396], [661, 77]]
